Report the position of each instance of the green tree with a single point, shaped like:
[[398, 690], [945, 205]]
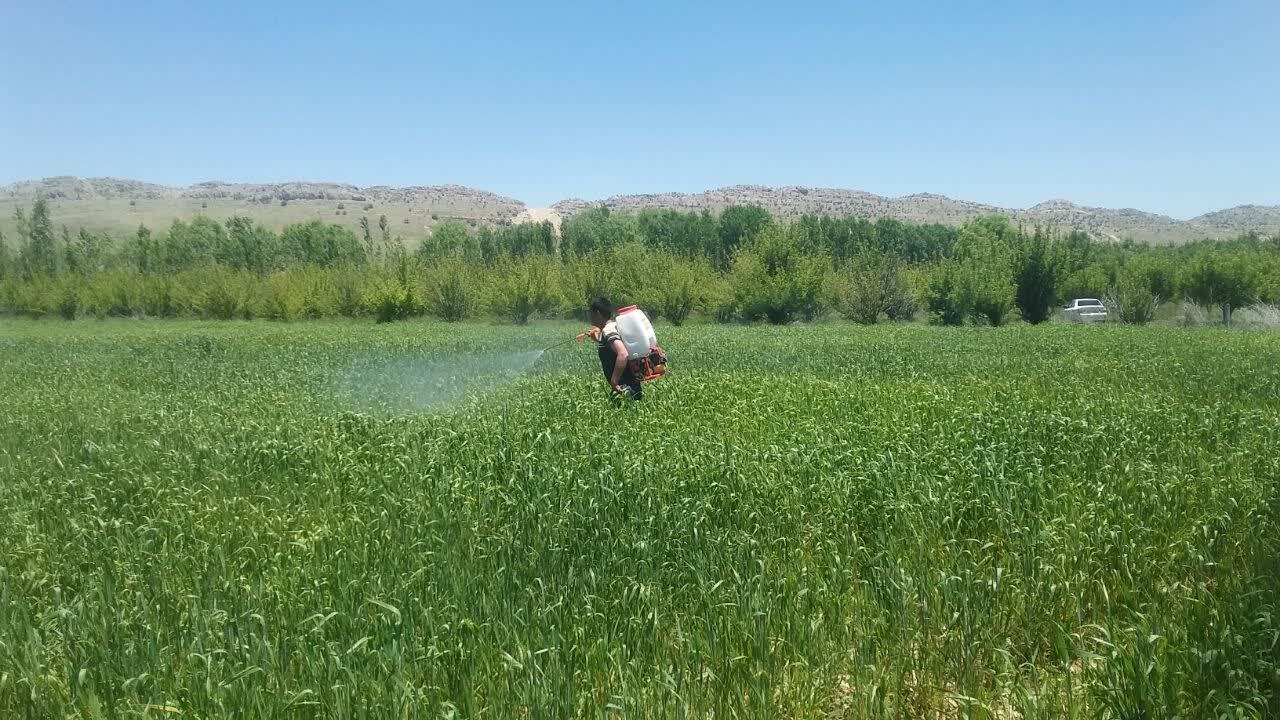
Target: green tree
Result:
[[448, 240], [193, 245], [1036, 276], [984, 254], [1156, 272], [370, 251], [773, 280], [739, 225], [69, 259], [38, 250], [87, 253], [143, 251], [4, 258], [1089, 281], [322, 244], [1221, 277], [595, 230], [947, 299], [249, 246], [677, 285], [388, 245]]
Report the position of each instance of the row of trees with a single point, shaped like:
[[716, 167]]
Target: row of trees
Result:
[[740, 264]]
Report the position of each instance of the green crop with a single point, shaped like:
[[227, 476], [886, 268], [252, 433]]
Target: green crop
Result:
[[250, 520]]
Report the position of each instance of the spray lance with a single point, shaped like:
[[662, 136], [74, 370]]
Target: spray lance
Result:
[[593, 333]]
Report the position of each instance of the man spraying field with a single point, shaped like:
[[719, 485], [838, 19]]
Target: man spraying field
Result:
[[628, 348]]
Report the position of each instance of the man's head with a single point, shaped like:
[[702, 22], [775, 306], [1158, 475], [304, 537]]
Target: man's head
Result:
[[600, 311]]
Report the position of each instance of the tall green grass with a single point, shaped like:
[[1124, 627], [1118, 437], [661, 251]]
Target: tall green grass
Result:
[[823, 521]]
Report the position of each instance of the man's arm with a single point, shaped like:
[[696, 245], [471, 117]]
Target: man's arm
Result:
[[619, 363]]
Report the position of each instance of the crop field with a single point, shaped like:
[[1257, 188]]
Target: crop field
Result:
[[340, 520]]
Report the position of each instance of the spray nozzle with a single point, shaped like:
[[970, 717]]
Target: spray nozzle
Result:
[[593, 333]]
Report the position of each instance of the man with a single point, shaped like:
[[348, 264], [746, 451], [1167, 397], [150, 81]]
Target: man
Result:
[[613, 353]]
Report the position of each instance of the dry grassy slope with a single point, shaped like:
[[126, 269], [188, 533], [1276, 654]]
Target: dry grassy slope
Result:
[[119, 206]]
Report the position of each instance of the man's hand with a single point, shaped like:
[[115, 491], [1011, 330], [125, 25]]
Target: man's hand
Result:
[[619, 389]]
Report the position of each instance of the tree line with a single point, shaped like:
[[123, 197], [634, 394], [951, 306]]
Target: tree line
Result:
[[738, 264]]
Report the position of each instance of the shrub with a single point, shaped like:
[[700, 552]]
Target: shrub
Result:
[[864, 294], [221, 298], [152, 296], [1035, 270], [126, 294], [947, 300], [284, 297], [1190, 314], [993, 297], [521, 289], [389, 300], [773, 281], [448, 290], [900, 298], [66, 298], [966, 290], [216, 293], [860, 295], [99, 296], [1131, 301], [7, 289], [678, 286], [348, 292], [1260, 315]]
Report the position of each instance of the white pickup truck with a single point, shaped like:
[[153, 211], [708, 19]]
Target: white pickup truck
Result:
[[1085, 310]]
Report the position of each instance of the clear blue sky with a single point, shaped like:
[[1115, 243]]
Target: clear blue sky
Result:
[[1166, 106]]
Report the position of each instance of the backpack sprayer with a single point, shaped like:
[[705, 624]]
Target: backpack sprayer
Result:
[[645, 359]]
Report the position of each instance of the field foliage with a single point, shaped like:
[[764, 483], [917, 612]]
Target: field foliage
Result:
[[266, 520]]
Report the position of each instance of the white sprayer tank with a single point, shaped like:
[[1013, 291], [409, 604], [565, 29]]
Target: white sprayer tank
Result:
[[636, 332]]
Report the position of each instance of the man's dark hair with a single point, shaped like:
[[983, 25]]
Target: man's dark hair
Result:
[[602, 305]]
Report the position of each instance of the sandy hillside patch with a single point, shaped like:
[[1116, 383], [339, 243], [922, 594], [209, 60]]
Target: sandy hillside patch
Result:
[[537, 215]]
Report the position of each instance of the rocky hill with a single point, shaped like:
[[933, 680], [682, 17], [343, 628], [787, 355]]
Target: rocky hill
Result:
[[1260, 218], [72, 188], [1103, 223], [119, 205]]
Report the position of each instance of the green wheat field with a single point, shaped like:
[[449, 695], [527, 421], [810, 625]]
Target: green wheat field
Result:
[[341, 520]]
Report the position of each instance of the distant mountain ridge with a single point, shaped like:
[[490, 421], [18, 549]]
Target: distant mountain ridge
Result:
[[1103, 223], [74, 188], [442, 202]]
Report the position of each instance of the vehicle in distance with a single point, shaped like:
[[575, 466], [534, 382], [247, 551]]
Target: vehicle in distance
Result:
[[1085, 310]]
